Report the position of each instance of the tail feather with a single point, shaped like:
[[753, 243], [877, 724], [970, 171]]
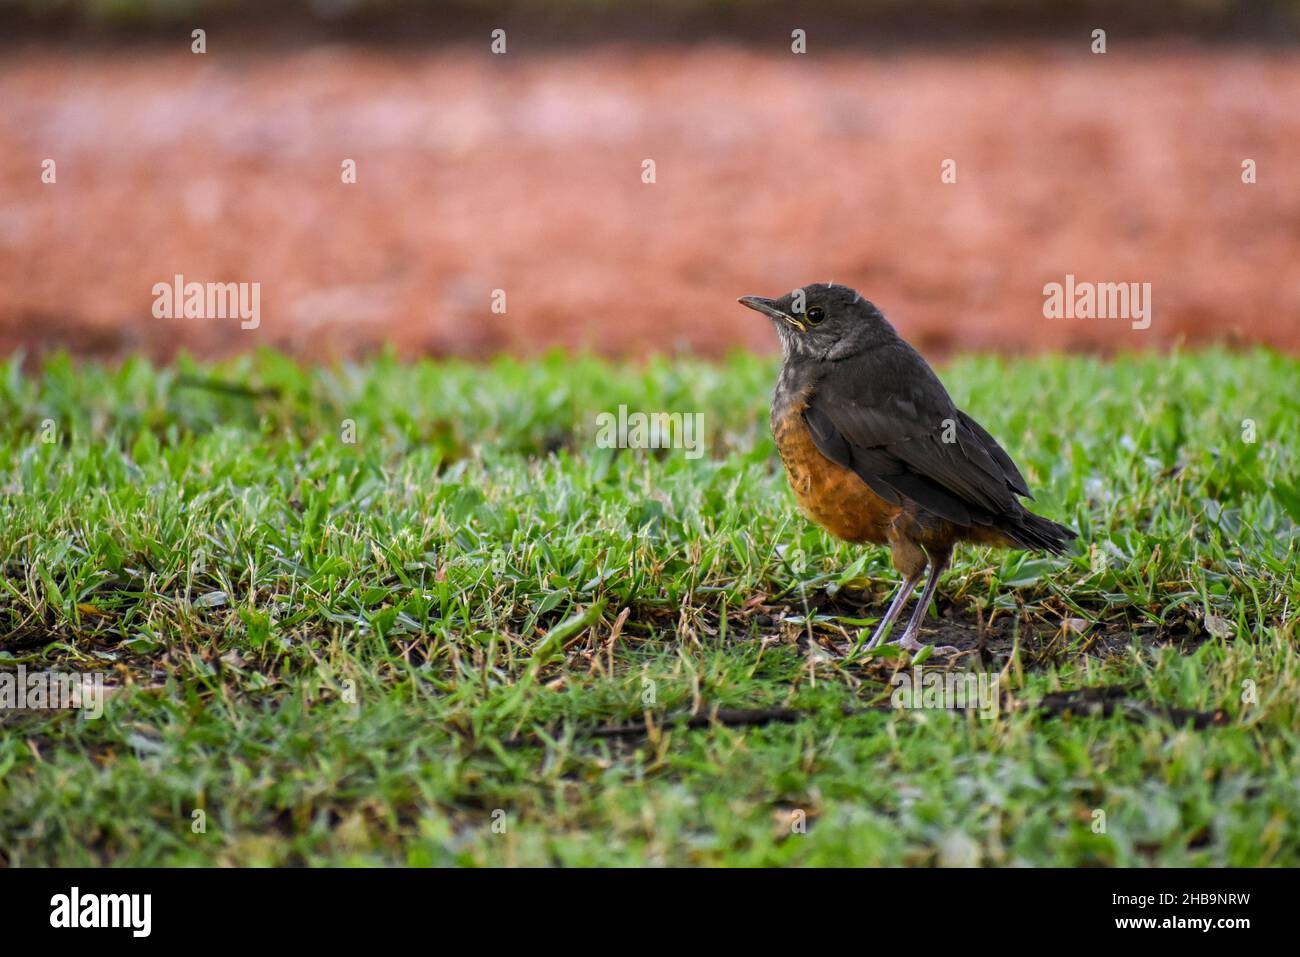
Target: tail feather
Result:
[[1035, 532]]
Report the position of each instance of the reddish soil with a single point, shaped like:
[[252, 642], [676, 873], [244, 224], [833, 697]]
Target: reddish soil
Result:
[[523, 173]]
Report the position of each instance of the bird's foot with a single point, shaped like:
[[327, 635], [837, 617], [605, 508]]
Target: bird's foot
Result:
[[913, 644], [947, 650]]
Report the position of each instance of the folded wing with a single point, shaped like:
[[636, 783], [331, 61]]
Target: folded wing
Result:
[[887, 417]]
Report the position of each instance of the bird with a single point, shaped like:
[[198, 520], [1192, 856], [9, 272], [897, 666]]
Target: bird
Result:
[[877, 452]]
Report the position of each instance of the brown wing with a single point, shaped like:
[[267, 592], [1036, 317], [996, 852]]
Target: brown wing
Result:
[[886, 416]]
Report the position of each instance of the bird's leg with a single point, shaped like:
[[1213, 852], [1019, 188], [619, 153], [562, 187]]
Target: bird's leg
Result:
[[900, 599], [908, 640]]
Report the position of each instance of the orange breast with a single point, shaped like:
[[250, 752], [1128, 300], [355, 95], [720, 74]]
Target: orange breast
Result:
[[829, 494]]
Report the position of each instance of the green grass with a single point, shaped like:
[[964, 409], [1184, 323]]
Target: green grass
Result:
[[461, 570]]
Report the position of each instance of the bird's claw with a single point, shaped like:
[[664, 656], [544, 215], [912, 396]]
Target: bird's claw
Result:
[[908, 643], [947, 650]]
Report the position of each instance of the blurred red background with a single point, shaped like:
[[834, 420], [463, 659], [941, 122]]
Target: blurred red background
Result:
[[523, 172]]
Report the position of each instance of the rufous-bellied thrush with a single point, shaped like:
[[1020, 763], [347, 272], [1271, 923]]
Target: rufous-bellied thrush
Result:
[[877, 452]]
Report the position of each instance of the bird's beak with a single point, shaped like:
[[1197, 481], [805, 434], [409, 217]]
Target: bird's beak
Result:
[[768, 308]]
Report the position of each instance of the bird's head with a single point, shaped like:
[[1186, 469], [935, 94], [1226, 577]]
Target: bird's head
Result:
[[823, 321]]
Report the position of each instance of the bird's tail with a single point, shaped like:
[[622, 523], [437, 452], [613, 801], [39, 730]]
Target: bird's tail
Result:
[[1033, 531]]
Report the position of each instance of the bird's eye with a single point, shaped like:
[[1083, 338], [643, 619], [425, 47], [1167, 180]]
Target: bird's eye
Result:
[[815, 315]]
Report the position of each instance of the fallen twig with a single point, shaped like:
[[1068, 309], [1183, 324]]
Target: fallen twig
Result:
[[1108, 699]]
